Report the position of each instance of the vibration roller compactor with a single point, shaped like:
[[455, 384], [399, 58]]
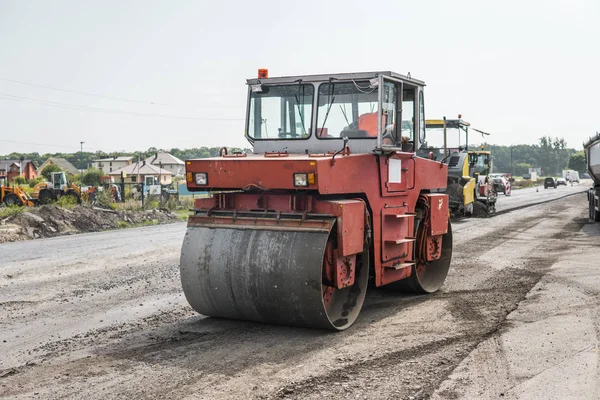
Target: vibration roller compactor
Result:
[[333, 199]]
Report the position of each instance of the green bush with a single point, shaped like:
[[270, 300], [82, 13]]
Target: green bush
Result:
[[171, 204], [67, 202], [104, 197], [151, 205], [19, 180]]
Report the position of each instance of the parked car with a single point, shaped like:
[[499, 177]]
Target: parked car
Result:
[[549, 182], [501, 183], [561, 181]]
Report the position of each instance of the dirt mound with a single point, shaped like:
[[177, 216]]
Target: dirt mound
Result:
[[51, 220]]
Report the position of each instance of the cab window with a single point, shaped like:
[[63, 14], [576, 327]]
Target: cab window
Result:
[[347, 109], [408, 114], [280, 111]]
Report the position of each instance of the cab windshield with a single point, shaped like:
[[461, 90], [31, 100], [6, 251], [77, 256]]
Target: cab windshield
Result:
[[456, 138], [280, 111], [479, 162]]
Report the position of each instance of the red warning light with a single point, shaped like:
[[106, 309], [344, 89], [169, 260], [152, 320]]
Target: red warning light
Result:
[[459, 116], [263, 73]]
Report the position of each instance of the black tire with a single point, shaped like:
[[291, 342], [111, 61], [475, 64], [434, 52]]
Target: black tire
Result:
[[595, 215], [12, 200], [480, 209], [46, 197], [430, 278], [74, 195]]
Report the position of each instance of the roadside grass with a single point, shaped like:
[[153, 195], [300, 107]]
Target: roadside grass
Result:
[[10, 211], [182, 215], [128, 205], [124, 224], [523, 183], [68, 202]]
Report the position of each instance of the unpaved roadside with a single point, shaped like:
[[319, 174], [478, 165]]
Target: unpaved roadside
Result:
[[51, 221], [102, 316]]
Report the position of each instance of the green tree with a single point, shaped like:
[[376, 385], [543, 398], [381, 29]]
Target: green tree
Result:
[[48, 170], [92, 177], [577, 162], [559, 146], [19, 180], [522, 168]]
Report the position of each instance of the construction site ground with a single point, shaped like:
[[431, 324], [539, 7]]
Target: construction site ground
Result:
[[102, 315]]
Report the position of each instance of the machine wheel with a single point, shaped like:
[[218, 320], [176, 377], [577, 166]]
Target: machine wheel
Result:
[[268, 276], [74, 195], [594, 215], [46, 197], [480, 209], [12, 200], [427, 277]]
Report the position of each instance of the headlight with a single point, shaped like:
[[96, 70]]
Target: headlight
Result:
[[201, 178], [301, 180]]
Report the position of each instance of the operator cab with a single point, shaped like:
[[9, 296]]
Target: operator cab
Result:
[[449, 134], [375, 111], [59, 180], [480, 162]]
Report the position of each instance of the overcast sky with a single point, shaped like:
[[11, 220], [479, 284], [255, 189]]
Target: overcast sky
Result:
[[518, 69]]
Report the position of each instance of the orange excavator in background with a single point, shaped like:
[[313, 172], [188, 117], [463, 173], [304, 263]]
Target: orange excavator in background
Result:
[[12, 196]]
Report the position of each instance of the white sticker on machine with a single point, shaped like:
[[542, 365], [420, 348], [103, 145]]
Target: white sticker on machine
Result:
[[394, 169]]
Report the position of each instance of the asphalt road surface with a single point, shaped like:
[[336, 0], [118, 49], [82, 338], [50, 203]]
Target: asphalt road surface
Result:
[[535, 195], [102, 316]]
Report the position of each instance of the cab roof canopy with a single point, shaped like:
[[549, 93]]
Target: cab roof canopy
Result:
[[450, 123], [341, 77]]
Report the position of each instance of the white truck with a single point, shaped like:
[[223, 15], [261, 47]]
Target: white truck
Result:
[[570, 175], [592, 155]]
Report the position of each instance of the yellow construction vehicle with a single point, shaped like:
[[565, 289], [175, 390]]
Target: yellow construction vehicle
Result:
[[47, 192], [12, 196], [468, 184]]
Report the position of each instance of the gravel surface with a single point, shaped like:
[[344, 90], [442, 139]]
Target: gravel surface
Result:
[[102, 316]]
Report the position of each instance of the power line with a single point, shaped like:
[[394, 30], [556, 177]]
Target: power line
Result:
[[104, 149], [23, 99], [98, 95], [45, 144]]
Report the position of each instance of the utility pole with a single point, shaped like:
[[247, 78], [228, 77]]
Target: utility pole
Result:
[[81, 166], [512, 166]]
